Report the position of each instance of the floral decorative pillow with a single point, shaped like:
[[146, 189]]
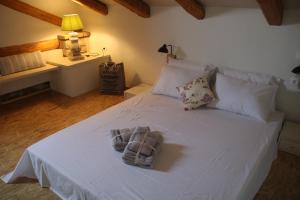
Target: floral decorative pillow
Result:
[[196, 93]]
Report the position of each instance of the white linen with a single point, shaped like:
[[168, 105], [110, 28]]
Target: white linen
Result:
[[244, 97], [207, 154]]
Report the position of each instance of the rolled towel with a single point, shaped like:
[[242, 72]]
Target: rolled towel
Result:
[[142, 148], [120, 137]]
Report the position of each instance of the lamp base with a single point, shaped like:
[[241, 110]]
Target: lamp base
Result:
[[74, 58], [75, 48], [65, 43]]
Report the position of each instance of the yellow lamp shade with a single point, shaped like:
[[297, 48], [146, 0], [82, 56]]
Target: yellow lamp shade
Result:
[[71, 22]]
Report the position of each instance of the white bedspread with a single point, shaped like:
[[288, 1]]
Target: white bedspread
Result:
[[207, 155]]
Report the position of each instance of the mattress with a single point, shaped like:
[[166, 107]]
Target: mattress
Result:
[[207, 154]]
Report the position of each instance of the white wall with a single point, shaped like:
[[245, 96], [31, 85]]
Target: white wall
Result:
[[238, 38], [18, 28], [234, 37], [125, 35]]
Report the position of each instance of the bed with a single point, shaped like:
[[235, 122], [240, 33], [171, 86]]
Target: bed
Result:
[[207, 154]]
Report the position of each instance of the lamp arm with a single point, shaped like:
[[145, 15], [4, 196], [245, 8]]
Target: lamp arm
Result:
[[171, 48]]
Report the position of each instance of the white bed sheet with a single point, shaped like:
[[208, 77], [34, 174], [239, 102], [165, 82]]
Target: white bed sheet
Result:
[[207, 155]]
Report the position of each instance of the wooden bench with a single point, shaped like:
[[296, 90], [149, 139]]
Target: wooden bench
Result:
[[27, 73], [44, 45]]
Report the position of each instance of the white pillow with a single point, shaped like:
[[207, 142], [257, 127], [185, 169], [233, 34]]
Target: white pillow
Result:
[[252, 77], [172, 77], [249, 76], [244, 97], [21, 62], [178, 73], [190, 65]]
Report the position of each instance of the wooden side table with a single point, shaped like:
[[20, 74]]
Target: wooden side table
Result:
[[136, 90], [290, 138]]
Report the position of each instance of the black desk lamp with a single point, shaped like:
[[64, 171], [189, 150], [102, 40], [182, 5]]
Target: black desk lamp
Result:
[[295, 80], [296, 70], [164, 49]]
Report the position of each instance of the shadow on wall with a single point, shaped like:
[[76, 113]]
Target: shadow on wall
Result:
[[156, 11], [289, 102], [291, 17], [135, 80], [180, 54], [218, 11]]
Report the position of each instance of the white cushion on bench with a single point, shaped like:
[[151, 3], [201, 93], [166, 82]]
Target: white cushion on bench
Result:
[[21, 62]]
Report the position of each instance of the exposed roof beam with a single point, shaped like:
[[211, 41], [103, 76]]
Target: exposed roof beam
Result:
[[32, 11], [95, 5], [137, 6], [29, 47], [193, 7], [273, 11]]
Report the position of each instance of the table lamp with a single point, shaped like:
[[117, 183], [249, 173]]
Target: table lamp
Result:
[[72, 23]]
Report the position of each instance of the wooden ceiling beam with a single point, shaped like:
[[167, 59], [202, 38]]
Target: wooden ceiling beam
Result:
[[32, 11], [95, 5], [137, 6], [194, 7], [29, 47], [272, 10]]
